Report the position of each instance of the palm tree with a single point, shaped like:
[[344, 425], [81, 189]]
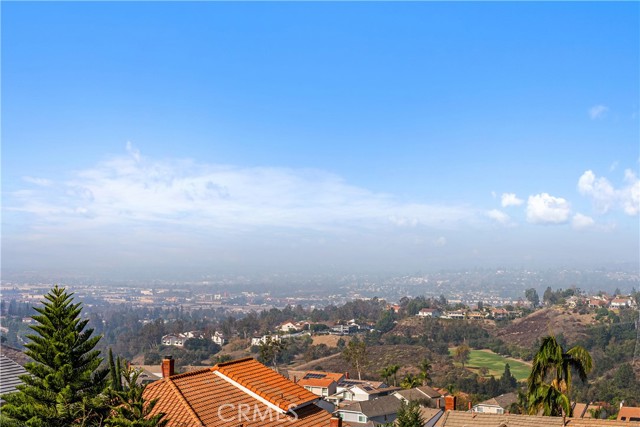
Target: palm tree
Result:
[[425, 369], [393, 371], [411, 381], [552, 363], [385, 373]]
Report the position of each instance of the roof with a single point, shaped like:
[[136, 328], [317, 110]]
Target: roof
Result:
[[243, 392], [316, 382], [419, 393], [503, 401], [10, 373], [14, 354], [374, 408], [475, 419], [629, 413]]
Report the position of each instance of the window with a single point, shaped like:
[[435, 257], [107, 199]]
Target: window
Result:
[[362, 419], [500, 411]]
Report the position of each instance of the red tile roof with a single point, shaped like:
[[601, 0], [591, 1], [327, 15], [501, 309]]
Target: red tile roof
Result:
[[243, 392], [316, 382]]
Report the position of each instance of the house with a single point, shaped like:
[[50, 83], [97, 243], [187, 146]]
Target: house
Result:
[[319, 383], [380, 411], [475, 315], [176, 340], [344, 329], [496, 405], [428, 312], [499, 313], [263, 339], [458, 314], [424, 395], [10, 372], [349, 390], [597, 303], [218, 338], [622, 302], [241, 392], [288, 327], [629, 413]]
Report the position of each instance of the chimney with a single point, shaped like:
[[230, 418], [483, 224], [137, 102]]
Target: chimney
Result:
[[469, 405], [450, 403], [335, 422], [346, 375], [167, 366]]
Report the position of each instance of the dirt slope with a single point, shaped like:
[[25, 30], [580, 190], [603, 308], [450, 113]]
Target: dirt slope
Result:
[[524, 332]]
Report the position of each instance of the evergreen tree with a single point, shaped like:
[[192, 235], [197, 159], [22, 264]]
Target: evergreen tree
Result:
[[409, 415], [64, 385], [356, 354]]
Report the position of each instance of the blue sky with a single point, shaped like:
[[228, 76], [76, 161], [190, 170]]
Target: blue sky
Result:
[[152, 137]]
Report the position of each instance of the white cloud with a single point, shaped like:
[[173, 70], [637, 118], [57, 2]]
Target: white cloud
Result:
[[546, 209], [42, 182], [510, 199], [630, 195], [499, 216], [580, 221], [606, 197], [440, 241], [147, 192], [598, 111]]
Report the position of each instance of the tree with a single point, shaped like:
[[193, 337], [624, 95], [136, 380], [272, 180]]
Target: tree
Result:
[[356, 354], [508, 382], [532, 296], [393, 370], [425, 371], [411, 381], [461, 354], [270, 349], [64, 384], [409, 415], [549, 382], [385, 373], [129, 408]]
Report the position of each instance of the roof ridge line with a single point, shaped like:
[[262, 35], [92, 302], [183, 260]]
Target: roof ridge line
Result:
[[185, 402]]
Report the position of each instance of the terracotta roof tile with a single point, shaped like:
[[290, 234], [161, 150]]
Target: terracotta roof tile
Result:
[[238, 392], [474, 419]]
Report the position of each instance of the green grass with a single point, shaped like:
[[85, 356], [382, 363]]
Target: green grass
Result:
[[495, 364]]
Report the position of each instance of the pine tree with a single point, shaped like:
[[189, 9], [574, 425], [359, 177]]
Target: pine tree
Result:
[[409, 415], [64, 384]]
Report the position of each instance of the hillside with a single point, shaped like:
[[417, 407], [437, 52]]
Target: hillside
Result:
[[407, 356], [524, 332]]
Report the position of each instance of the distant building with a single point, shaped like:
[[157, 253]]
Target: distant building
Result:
[[263, 339], [429, 312], [497, 405], [218, 338], [176, 340]]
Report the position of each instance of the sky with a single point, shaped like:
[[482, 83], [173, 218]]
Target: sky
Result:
[[150, 139]]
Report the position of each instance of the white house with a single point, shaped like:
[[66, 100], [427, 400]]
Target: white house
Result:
[[263, 339], [622, 302], [218, 338], [429, 312], [288, 327], [176, 340], [497, 405]]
